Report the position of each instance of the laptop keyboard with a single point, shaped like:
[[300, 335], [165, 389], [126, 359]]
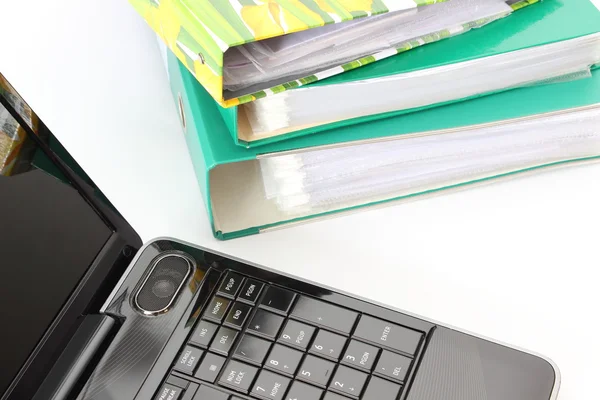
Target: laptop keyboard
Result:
[[263, 342]]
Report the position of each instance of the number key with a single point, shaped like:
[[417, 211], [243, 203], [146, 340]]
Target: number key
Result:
[[333, 396], [328, 344], [283, 359], [348, 381], [316, 371], [302, 391], [360, 355], [270, 386], [296, 334]]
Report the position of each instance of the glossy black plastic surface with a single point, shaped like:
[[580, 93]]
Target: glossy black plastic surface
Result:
[[49, 238], [448, 365], [142, 339], [457, 366], [84, 348], [63, 248]]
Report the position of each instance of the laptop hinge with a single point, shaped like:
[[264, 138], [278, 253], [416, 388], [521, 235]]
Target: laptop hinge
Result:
[[78, 359]]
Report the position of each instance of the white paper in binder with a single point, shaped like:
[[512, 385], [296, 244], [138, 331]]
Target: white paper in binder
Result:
[[302, 54], [318, 105], [308, 182]]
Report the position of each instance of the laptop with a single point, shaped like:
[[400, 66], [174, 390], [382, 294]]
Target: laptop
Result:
[[92, 313]]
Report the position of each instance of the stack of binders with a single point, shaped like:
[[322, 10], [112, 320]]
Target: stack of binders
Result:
[[295, 110]]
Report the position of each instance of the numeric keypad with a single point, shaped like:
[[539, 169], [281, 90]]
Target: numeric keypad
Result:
[[271, 343]]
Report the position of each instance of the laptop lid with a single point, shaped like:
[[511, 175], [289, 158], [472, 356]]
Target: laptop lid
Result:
[[63, 246]]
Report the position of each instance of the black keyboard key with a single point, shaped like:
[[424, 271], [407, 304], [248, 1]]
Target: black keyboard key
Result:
[[302, 391], [348, 381], [385, 334], [324, 314], [252, 349], [250, 291], [169, 392], [380, 389], [328, 344], [265, 324], [177, 381], [216, 309], [360, 355], [316, 371], [333, 396], [237, 315], [203, 334], [190, 391], [393, 366], [283, 359], [296, 334], [270, 386], [277, 299], [188, 360], [223, 340], [238, 376], [230, 285], [209, 368], [209, 393]]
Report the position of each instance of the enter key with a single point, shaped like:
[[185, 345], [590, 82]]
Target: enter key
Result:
[[385, 334]]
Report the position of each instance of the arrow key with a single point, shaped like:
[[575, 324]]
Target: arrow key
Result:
[[328, 344], [348, 382], [283, 359]]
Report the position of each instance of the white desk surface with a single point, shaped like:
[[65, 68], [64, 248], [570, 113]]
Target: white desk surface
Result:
[[516, 261]]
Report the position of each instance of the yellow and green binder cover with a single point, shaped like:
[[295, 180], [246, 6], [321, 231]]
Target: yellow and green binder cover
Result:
[[201, 32], [540, 40], [248, 191]]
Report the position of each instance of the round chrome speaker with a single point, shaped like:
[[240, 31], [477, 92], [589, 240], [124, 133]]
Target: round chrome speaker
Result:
[[163, 283]]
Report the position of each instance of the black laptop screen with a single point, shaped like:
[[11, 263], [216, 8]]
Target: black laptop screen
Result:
[[49, 236]]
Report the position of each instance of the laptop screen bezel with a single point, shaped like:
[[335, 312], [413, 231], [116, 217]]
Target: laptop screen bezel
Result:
[[100, 276]]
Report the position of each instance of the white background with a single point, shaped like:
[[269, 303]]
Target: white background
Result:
[[515, 261]]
